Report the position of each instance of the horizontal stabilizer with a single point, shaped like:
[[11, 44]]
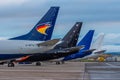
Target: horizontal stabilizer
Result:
[[49, 42], [100, 52], [77, 47], [88, 51]]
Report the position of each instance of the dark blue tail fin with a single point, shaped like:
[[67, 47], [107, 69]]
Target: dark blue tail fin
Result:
[[87, 39], [42, 31]]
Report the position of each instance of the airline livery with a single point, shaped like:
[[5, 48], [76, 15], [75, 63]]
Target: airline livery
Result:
[[42, 31], [30, 43], [42, 28], [86, 41], [64, 47], [94, 51]]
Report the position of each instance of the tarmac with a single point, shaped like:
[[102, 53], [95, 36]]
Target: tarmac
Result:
[[103, 70], [67, 71]]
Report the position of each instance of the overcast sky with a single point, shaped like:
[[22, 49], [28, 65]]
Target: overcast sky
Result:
[[18, 17]]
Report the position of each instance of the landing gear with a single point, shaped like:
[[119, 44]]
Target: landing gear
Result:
[[38, 64], [11, 64], [62, 62], [58, 62], [2, 63]]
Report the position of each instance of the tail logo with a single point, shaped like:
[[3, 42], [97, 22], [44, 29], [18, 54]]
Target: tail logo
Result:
[[42, 28]]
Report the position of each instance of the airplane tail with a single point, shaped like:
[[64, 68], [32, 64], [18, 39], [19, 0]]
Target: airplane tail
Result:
[[87, 39], [97, 46], [43, 29], [98, 43], [71, 38]]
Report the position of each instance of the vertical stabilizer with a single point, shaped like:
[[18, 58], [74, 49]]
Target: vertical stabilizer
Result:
[[98, 42], [42, 31], [87, 39], [71, 38]]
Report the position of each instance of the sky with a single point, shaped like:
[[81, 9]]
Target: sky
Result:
[[18, 17]]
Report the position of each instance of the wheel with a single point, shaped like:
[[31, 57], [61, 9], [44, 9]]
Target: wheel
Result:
[[62, 62], [2, 63], [11, 64], [38, 64], [57, 62]]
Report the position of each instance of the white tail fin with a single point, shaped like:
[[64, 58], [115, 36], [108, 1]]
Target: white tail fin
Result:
[[98, 43]]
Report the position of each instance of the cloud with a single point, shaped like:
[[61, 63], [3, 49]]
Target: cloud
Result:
[[112, 35], [19, 16], [11, 2], [111, 48], [3, 38], [112, 38]]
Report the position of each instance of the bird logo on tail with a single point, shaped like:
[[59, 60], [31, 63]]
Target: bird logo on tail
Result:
[[43, 28]]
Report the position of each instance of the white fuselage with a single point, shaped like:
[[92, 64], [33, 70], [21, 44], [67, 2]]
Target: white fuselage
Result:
[[21, 46]]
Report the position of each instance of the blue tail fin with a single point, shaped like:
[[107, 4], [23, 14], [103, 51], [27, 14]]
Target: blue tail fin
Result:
[[42, 31], [87, 39]]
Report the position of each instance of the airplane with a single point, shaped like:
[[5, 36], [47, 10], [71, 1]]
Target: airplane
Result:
[[29, 43], [63, 48], [95, 51], [86, 41], [105, 51]]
